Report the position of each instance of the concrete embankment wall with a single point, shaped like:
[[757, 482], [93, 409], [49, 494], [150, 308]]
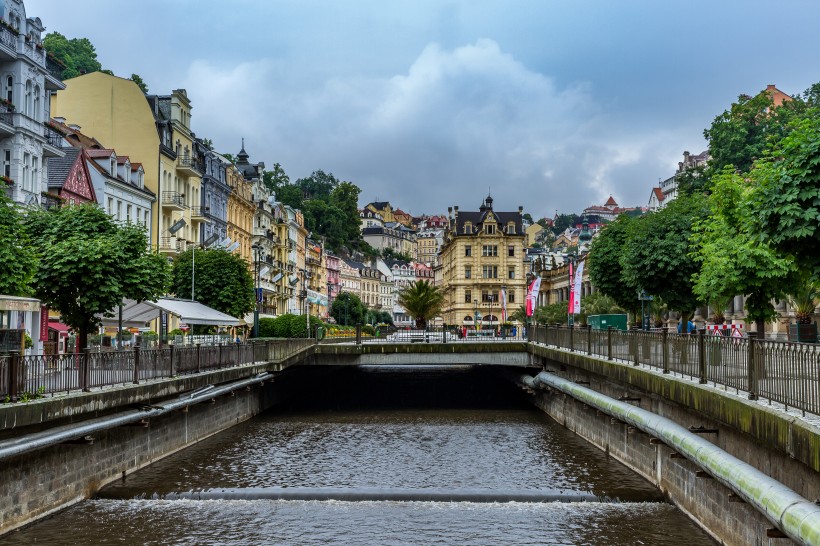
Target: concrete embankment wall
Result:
[[781, 446], [37, 483]]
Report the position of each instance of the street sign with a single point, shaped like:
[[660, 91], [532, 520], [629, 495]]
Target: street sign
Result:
[[643, 296], [184, 327]]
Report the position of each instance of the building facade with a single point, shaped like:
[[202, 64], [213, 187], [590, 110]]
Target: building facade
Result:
[[483, 254], [27, 78]]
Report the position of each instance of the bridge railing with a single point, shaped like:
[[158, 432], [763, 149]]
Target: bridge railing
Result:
[[781, 371], [24, 378], [432, 334]]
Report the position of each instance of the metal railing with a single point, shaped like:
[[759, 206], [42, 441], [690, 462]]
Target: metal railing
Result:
[[173, 198], [23, 378], [781, 371], [431, 334]]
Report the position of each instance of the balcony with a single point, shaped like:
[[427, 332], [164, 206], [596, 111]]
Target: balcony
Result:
[[199, 214], [173, 200], [167, 151], [54, 74], [171, 246], [187, 166], [6, 124], [53, 146], [8, 44]]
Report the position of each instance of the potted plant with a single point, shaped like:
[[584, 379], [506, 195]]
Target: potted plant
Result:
[[803, 302]]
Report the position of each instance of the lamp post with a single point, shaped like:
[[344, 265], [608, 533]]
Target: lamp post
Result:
[[570, 266], [257, 251], [305, 277], [475, 316]]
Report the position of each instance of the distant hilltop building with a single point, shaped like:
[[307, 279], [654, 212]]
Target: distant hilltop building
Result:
[[609, 210], [667, 191]]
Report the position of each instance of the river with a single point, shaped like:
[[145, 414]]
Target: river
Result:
[[382, 458]]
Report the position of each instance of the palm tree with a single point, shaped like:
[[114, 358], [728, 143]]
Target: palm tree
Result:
[[422, 301]]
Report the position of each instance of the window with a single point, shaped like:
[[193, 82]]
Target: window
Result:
[[29, 99], [511, 296], [468, 271], [128, 213], [511, 250], [468, 227], [468, 250], [468, 296], [36, 113], [511, 273], [489, 271], [145, 216], [10, 89], [7, 163], [110, 206], [490, 229], [511, 228], [26, 185], [119, 210], [489, 250]]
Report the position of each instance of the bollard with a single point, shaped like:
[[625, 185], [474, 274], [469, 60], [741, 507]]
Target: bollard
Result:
[[665, 335], [136, 364], [633, 343], [85, 369], [219, 356], [359, 334], [589, 339], [702, 356], [609, 343], [571, 338], [444, 333], [198, 359]]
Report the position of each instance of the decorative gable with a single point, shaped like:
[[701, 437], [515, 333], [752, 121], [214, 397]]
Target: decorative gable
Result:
[[78, 182]]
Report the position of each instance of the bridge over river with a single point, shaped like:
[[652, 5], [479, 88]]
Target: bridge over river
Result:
[[725, 429]]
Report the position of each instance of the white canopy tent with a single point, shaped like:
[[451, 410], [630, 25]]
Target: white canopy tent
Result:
[[189, 312]]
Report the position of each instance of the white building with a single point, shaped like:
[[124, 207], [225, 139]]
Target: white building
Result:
[[27, 78]]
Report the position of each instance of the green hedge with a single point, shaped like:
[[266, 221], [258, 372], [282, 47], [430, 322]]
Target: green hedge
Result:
[[287, 326]]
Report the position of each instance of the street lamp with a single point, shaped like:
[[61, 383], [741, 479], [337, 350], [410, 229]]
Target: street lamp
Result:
[[570, 263], [475, 316], [257, 292]]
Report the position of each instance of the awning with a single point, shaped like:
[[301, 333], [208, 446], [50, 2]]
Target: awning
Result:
[[189, 312], [58, 326]]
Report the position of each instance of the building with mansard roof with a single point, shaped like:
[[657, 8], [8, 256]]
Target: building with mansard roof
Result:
[[482, 257]]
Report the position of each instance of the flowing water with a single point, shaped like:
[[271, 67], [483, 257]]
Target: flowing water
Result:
[[382, 458]]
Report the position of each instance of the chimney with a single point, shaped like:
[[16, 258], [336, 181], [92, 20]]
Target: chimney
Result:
[[770, 87]]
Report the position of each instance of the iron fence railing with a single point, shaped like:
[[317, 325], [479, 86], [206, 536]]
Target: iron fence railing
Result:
[[431, 334], [780, 371], [23, 378]]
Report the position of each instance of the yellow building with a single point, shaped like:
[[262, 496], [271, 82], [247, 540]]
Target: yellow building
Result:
[[483, 253], [156, 131], [316, 266], [116, 112], [240, 212], [533, 233]]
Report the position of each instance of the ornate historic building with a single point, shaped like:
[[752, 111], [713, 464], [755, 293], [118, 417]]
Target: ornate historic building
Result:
[[483, 253]]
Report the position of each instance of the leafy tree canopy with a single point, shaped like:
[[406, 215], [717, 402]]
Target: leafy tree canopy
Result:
[[604, 263], [88, 264], [77, 54], [657, 254], [222, 280], [787, 205], [17, 259], [733, 259], [563, 221], [140, 83], [348, 309]]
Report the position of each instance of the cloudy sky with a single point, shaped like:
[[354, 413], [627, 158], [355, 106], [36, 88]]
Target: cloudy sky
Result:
[[553, 105]]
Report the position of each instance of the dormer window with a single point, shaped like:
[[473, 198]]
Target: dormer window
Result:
[[489, 229], [468, 227], [511, 228], [113, 166]]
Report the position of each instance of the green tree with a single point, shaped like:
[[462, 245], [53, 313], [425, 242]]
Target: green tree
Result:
[[140, 83], [275, 178], [222, 280], [599, 304], [733, 259], [422, 301], [563, 221], [348, 309], [88, 264], [553, 313], [604, 263], [787, 205], [77, 54], [528, 217], [657, 256], [17, 259]]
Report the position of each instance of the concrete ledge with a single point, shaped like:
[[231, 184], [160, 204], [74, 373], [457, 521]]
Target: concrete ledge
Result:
[[788, 434]]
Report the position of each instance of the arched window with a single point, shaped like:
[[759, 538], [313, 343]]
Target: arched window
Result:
[[28, 104], [36, 113], [10, 89]]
